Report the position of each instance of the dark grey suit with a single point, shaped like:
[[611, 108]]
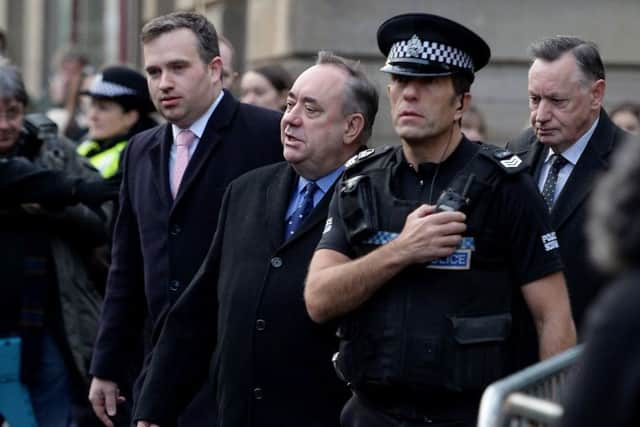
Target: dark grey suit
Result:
[[570, 209]]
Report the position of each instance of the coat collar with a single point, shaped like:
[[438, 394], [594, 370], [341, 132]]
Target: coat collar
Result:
[[580, 183], [219, 121], [277, 195]]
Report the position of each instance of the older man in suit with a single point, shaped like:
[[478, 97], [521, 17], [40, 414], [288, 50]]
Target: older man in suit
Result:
[[569, 143], [174, 178], [273, 364]]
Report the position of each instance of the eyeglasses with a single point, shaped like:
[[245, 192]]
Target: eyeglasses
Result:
[[12, 113]]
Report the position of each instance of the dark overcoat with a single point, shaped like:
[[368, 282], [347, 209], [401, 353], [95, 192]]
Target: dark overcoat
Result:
[[159, 242], [273, 364]]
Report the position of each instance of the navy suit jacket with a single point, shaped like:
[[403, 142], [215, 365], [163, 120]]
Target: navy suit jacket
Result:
[[159, 242], [272, 365]]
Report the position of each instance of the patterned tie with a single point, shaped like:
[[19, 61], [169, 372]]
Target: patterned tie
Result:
[[303, 210], [549, 188], [183, 141]]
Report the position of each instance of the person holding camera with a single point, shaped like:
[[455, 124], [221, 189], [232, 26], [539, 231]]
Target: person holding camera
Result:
[[426, 244], [48, 298]]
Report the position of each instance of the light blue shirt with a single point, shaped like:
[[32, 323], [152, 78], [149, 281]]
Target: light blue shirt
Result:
[[572, 155], [324, 184], [197, 128]]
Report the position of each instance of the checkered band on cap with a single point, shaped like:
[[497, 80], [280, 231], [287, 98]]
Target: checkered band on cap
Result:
[[101, 87], [425, 52]]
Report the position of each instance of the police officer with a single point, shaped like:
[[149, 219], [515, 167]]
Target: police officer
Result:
[[426, 244]]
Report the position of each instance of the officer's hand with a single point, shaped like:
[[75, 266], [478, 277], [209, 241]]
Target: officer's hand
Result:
[[146, 424], [427, 235], [104, 397]]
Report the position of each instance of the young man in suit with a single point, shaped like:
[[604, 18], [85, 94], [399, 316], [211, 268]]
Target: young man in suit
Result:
[[569, 143], [272, 364], [174, 177]]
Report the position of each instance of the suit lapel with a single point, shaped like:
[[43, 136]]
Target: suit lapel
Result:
[[211, 138], [277, 195], [159, 157], [580, 183]]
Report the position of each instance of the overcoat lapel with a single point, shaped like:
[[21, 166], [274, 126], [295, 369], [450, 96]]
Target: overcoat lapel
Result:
[[159, 157], [580, 182], [277, 197], [211, 138]]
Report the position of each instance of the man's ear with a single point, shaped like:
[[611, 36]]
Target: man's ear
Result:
[[463, 105], [215, 66], [354, 124], [597, 93]]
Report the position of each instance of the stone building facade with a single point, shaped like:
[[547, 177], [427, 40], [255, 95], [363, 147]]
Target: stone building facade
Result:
[[292, 31]]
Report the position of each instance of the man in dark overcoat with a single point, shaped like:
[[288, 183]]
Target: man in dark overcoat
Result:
[[272, 364]]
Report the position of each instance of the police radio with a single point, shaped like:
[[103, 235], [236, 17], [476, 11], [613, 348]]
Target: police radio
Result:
[[450, 200]]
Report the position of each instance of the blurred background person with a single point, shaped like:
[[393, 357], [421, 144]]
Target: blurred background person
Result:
[[627, 116], [606, 390], [119, 108], [474, 126], [48, 297], [227, 53], [266, 86], [70, 69]]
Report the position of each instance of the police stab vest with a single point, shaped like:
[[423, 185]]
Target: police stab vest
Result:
[[434, 327]]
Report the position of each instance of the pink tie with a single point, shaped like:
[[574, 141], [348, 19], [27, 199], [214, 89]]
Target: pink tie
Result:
[[183, 141]]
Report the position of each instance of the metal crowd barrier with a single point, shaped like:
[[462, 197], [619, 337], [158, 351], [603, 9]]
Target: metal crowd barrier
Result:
[[529, 397]]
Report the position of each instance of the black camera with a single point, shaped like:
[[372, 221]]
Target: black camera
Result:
[[37, 129]]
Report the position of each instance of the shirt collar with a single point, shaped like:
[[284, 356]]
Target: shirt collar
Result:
[[324, 183], [573, 153], [200, 124]]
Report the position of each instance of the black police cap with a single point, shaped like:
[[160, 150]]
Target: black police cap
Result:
[[123, 85], [424, 45]]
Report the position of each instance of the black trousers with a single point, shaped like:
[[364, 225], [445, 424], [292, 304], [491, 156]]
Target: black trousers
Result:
[[360, 412]]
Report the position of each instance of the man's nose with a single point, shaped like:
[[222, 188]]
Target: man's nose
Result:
[[166, 81], [543, 112], [410, 90], [292, 118]]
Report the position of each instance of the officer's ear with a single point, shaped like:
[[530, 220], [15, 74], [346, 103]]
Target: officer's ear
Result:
[[354, 124], [464, 101]]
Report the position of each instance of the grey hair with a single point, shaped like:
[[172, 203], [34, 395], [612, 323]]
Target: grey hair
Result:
[[585, 52], [11, 84], [612, 226], [361, 96], [204, 31]]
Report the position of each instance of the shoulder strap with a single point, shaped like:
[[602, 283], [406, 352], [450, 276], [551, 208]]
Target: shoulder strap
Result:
[[371, 158]]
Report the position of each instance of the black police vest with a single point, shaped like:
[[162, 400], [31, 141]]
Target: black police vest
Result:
[[444, 325]]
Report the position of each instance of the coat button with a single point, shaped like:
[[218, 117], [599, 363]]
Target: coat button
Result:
[[174, 285], [257, 393], [276, 262], [175, 230], [260, 324]]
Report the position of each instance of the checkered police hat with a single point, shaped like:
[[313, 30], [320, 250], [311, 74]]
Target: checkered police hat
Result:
[[423, 45], [124, 86]]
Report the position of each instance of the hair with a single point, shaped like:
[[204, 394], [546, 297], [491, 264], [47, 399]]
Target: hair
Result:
[[361, 95], [461, 82], [279, 78], [612, 228], [204, 31], [585, 53], [12, 85]]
